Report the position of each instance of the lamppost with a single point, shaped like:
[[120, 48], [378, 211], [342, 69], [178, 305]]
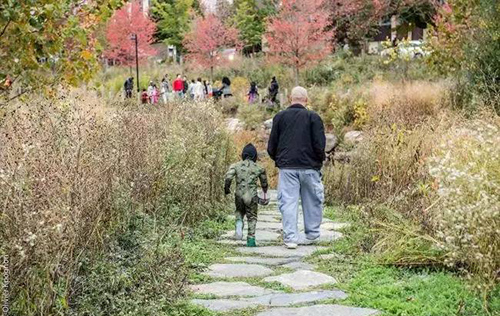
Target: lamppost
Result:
[[134, 38]]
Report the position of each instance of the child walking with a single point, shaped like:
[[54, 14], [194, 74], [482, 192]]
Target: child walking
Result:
[[253, 93], [246, 172]]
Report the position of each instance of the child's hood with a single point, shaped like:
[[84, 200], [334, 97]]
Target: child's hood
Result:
[[249, 152]]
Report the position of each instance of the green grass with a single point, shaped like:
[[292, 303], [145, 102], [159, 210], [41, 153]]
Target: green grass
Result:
[[396, 291]]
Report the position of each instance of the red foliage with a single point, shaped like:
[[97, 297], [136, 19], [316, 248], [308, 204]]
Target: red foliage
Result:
[[208, 37], [297, 36], [128, 20]]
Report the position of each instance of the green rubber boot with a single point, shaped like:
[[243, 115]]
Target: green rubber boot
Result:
[[251, 242]]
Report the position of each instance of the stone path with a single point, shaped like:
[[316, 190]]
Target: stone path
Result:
[[270, 266]]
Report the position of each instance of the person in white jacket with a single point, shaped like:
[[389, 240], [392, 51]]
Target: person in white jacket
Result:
[[199, 90]]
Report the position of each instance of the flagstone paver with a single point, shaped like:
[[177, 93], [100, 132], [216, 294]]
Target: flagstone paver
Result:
[[226, 289], [334, 226], [287, 299], [238, 270], [271, 300], [270, 218], [260, 235], [299, 265], [269, 225], [265, 261], [224, 305], [320, 310], [328, 235], [280, 251], [302, 279]]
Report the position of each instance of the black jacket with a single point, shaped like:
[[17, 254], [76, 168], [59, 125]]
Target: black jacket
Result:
[[297, 139]]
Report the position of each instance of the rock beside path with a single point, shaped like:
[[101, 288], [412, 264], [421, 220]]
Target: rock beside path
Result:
[[331, 142], [268, 125], [234, 125], [353, 137]]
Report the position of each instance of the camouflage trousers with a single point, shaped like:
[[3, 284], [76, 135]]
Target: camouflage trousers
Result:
[[250, 211]]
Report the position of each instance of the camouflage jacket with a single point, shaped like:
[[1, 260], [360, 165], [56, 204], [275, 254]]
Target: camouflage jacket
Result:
[[246, 173]]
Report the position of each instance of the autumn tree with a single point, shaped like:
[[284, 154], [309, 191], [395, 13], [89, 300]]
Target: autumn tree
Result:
[[127, 21], [466, 46], [173, 18], [297, 36], [356, 21], [206, 41], [49, 43]]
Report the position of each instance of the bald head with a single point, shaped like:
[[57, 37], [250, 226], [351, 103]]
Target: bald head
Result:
[[299, 95]]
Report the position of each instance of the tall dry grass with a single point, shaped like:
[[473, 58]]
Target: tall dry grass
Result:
[[389, 166], [427, 178], [72, 171], [406, 104]]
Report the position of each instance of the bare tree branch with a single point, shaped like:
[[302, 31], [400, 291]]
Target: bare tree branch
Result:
[[5, 27]]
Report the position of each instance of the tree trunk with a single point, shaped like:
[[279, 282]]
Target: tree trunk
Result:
[[212, 75], [296, 74]]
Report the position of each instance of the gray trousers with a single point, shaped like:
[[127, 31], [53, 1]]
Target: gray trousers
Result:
[[304, 184]]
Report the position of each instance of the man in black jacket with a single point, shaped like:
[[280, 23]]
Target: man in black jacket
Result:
[[297, 145], [129, 86]]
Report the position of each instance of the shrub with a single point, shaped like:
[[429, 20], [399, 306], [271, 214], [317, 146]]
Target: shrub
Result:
[[229, 106], [467, 167], [467, 49], [252, 116], [73, 171], [240, 87]]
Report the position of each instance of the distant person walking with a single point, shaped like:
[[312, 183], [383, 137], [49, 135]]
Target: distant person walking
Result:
[[226, 88], [273, 90], [166, 89], [178, 87], [210, 90], [190, 91], [156, 94], [144, 97], [253, 93], [185, 83], [129, 87], [153, 93], [199, 90], [150, 91], [297, 145]]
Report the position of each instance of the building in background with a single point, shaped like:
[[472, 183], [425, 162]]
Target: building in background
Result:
[[393, 30]]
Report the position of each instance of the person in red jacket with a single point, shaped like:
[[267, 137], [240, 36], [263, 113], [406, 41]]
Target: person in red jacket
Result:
[[178, 86]]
